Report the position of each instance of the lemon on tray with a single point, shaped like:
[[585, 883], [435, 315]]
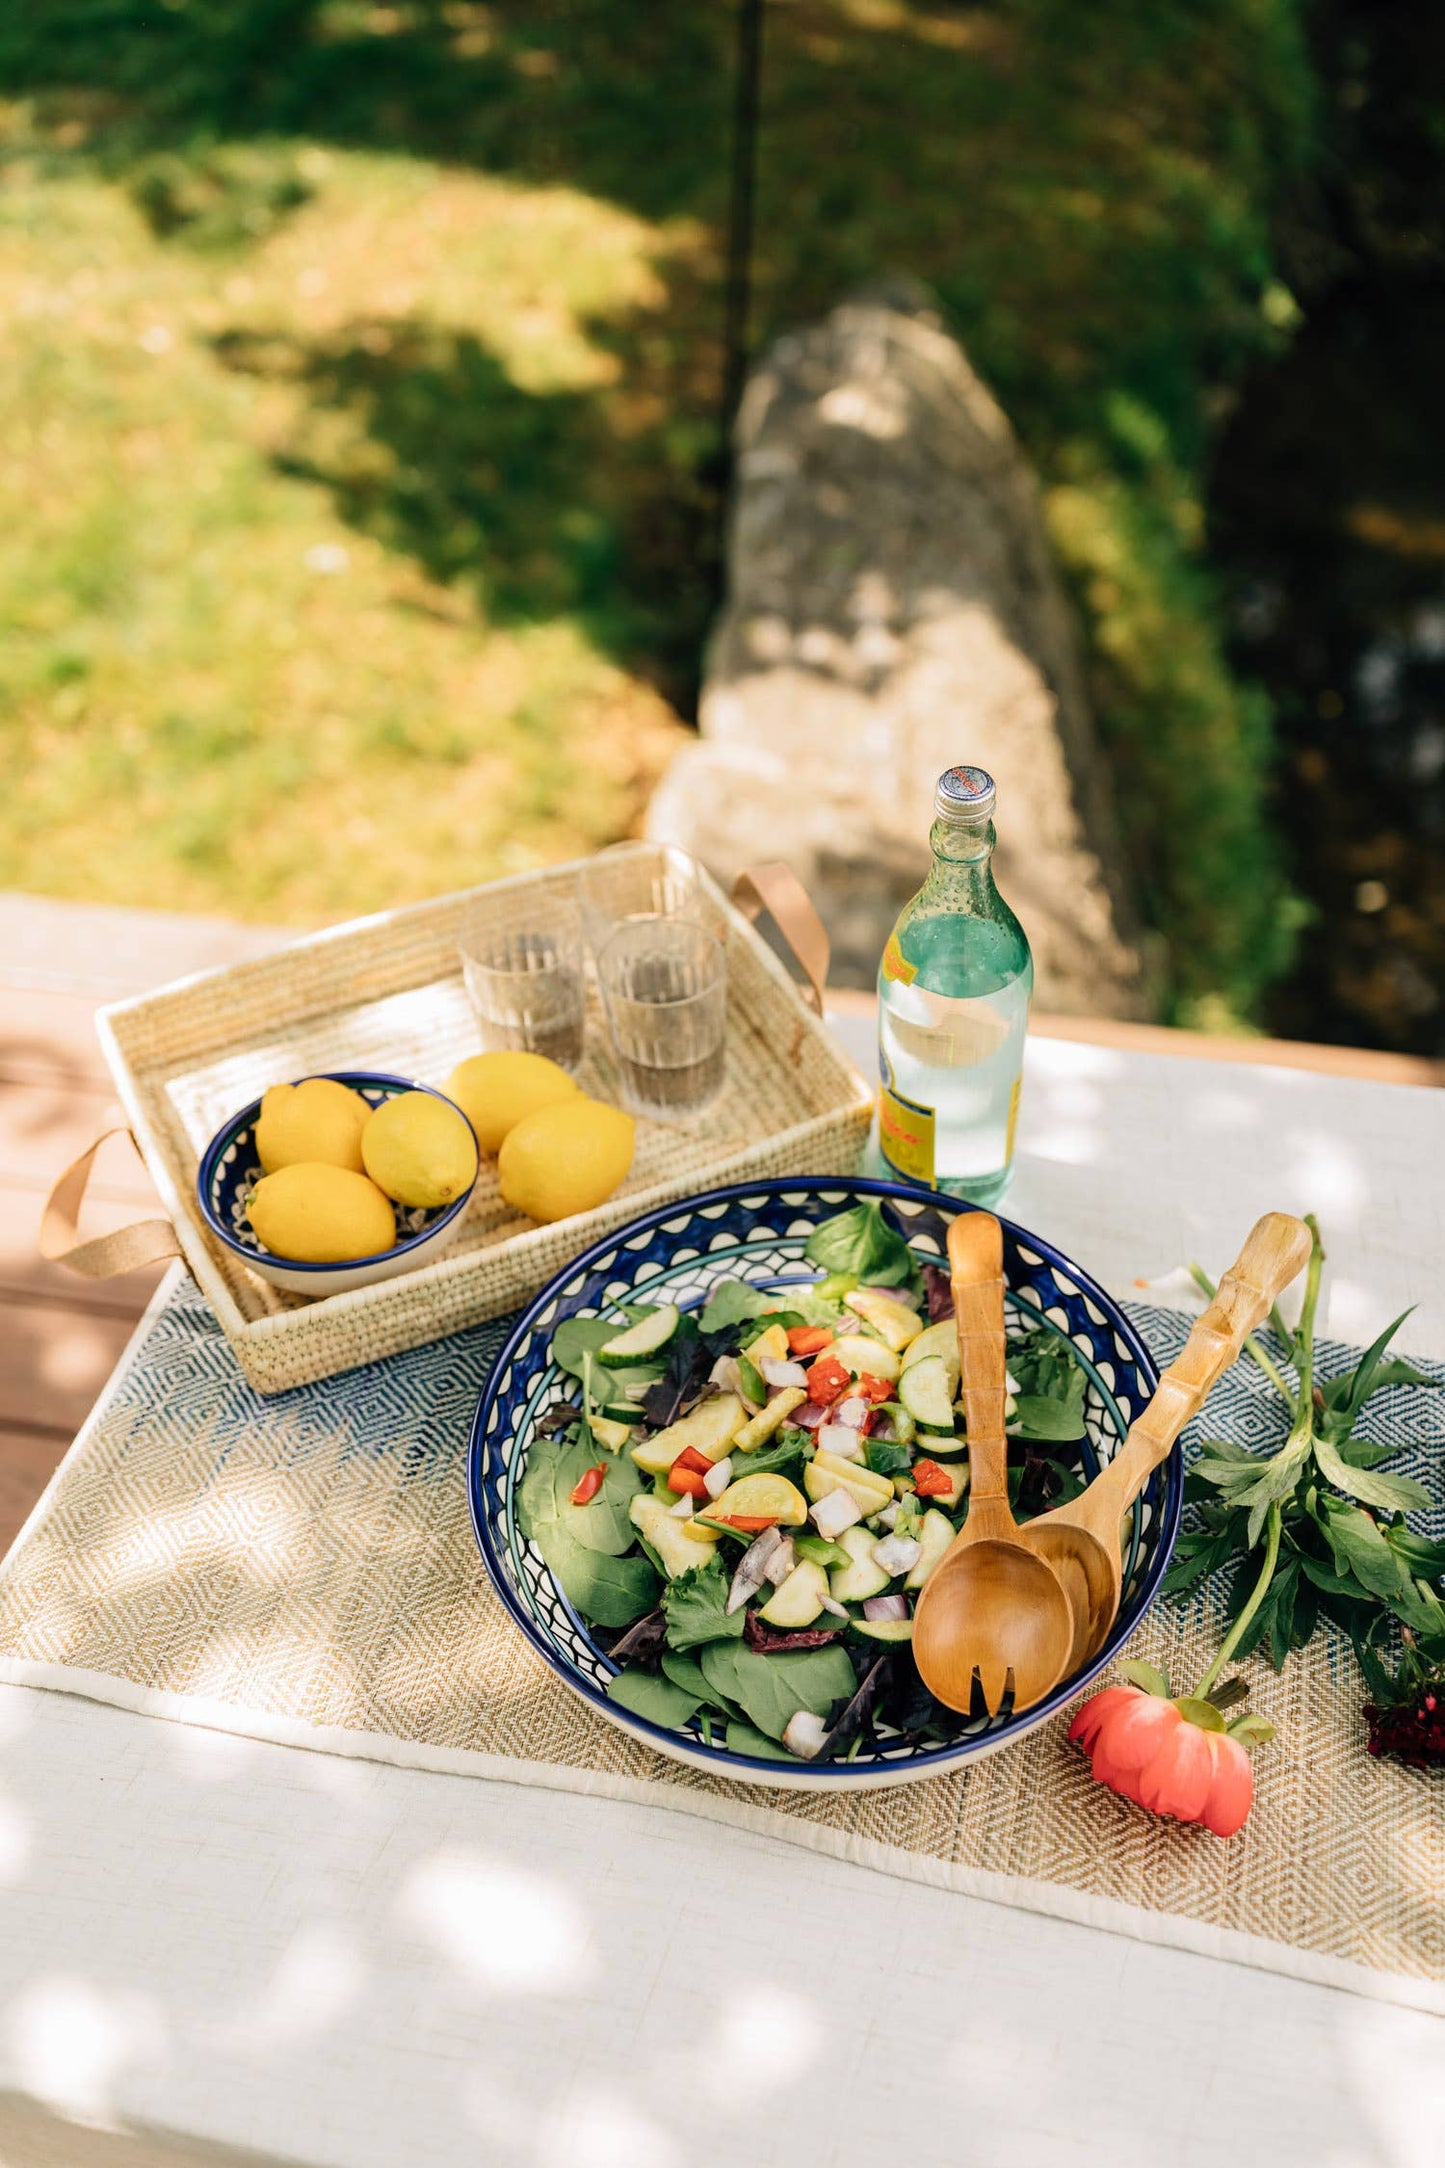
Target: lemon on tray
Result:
[[321, 1215], [565, 1158], [315, 1120], [496, 1091], [419, 1150]]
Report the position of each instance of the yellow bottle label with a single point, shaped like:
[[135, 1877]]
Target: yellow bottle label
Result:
[[896, 964], [1013, 1119], [905, 1133]]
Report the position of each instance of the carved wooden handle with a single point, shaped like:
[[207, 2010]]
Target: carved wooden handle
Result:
[[1276, 1248], [975, 1264]]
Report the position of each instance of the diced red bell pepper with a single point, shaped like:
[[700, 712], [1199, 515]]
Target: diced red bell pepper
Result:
[[874, 1389], [751, 1524], [588, 1484], [809, 1339], [931, 1481], [688, 1472], [826, 1380]]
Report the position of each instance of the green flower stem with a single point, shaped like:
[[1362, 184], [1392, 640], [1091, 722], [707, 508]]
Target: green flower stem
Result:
[[1252, 1347], [1305, 1341], [1235, 1635]]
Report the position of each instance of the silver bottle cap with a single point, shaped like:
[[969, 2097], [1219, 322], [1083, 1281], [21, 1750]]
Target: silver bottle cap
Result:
[[965, 794]]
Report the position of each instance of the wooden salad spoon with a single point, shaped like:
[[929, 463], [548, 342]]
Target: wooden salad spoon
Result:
[[991, 1608], [1081, 1541]]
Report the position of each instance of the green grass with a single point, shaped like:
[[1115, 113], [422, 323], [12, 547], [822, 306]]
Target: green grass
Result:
[[359, 363]]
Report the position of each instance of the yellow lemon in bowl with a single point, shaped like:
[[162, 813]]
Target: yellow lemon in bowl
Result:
[[496, 1091], [315, 1120], [320, 1214], [420, 1150], [565, 1158]]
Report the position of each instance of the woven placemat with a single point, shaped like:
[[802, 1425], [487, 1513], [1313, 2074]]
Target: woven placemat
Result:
[[302, 1568]]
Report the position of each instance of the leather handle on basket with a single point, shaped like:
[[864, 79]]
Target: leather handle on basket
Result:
[[144, 1242], [776, 889]]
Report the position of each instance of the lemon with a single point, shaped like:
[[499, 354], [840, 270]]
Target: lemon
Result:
[[419, 1150], [321, 1215], [565, 1158], [317, 1119], [761, 1497], [496, 1091]]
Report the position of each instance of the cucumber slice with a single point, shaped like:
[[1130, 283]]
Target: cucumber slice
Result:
[[940, 1340], [936, 1535], [862, 1577], [644, 1338], [926, 1390], [884, 1629]]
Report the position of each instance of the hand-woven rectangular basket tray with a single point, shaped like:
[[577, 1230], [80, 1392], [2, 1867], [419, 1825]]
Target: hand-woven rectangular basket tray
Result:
[[387, 993]]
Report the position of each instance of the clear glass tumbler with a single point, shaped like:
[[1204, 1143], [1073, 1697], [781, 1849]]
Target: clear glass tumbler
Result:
[[641, 880], [523, 958], [664, 990]]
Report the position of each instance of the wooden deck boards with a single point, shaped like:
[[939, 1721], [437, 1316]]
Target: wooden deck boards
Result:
[[60, 1336]]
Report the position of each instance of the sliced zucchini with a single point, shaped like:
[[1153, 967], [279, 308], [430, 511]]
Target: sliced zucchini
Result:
[[927, 1390], [613, 1435], [800, 1599], [709, 1430], [771, 1346], [672, 1542], [862, 1577], [893, 1319], [935, 1534], [825, 1472], [940, 1340], [864, 1357], [642, 1339], [772, 1417], [884, 1629]]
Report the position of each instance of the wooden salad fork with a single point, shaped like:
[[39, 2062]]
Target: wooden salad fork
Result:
[[1082, 1541], [993, 1615]]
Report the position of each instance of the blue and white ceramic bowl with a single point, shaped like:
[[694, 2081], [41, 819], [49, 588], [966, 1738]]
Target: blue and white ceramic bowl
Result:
[[230, 1169], [757, 1232]]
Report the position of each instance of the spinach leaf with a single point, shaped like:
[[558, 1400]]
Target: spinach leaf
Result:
[[578, 1337], [687, 1672], [660, 1700], [772, 1689], [784, 1456], [603, 1523], [1051, 1422], [860, 1241], [732, 1302], [696, 1607], [886, 1458], [607, 1591], [744, 1739]]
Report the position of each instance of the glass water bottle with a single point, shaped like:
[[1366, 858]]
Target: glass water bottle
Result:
[[953, 1003]]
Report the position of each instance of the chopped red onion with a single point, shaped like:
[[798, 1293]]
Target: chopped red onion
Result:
[[883, 1430], [809, 1416], [805, 1734], [888, 1516], [718, 1477], [853, 1411], [780, 1564], [830, 1515], [894, 1294], [752, 1568], [879, 1608], [832, 1606], [897, 1554], [778, 1373], [841, 1440]]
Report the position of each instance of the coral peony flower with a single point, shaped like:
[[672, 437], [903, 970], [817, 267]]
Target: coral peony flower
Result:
[[1173, 1757]]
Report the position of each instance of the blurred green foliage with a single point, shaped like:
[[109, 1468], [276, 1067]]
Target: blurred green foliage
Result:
[[1088, 189]]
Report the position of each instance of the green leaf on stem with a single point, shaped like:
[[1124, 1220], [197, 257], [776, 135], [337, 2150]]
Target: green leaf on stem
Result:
[[1389, 1493]]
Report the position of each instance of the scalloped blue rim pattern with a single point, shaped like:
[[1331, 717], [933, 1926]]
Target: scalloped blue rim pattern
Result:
[[489, 1490], [230, 1132]]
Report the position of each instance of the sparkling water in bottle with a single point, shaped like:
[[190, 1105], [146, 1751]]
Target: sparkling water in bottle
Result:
[[953, 1002]]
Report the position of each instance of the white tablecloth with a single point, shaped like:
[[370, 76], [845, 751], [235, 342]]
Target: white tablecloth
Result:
[[208, 1943]]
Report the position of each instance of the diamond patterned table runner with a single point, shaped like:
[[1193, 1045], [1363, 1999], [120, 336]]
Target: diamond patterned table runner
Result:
[[301, 1568]]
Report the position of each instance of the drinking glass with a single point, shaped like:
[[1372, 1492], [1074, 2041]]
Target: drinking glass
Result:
[[664, 989], [640, 880], [523, 959]]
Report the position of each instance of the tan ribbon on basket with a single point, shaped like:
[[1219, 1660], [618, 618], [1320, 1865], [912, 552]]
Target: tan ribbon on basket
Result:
[[776, 889], [144, 1242], [773, 888]]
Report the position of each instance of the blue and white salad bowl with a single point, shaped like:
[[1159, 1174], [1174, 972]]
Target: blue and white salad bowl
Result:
[[231, 1167], [757, 1232]]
